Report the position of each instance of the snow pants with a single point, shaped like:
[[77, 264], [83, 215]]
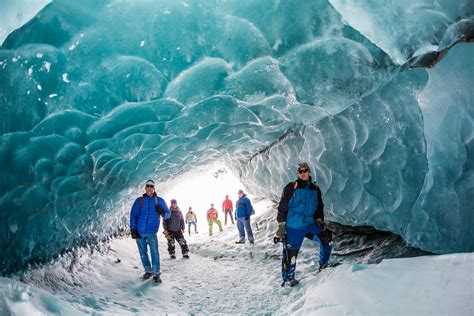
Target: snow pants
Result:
[[178, 236], [149, 240], [292, 245], [211, 224], [228, 211]]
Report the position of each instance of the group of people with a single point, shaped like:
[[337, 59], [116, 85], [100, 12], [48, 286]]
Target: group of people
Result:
[[243, 211], [145, 221], [300, 215]]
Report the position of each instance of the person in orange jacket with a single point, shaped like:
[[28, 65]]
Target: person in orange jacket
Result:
[[228, 208], [212, 218]]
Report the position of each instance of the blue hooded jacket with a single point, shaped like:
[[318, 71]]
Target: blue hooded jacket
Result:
[[243, 207], [146, 219], [301, 204]]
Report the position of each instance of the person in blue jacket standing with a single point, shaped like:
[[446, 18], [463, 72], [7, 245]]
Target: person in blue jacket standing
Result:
[[300, 215], [242, 214], [144, 224]]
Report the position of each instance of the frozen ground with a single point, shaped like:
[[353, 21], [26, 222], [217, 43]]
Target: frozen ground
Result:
[[222, 277]]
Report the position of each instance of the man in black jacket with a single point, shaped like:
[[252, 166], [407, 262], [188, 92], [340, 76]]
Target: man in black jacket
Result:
[[174, 229], [300, 214]]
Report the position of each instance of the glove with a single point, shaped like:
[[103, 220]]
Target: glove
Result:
[[167, 234], [320, 223], [281, 232], [135, 234], [160, 210], [247, 217]]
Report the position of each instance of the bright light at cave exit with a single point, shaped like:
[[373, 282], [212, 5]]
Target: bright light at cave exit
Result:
[[200, 188]]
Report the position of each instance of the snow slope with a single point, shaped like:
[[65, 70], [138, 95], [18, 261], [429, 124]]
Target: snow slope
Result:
[[224, 278]]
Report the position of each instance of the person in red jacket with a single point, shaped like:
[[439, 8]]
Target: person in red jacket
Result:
[[228, 208]]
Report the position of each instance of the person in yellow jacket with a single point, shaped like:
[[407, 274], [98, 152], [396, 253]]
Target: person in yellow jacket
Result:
[[212, 218], [191, 219]]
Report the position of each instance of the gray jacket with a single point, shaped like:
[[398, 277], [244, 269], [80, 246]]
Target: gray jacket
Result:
[[176, 222]]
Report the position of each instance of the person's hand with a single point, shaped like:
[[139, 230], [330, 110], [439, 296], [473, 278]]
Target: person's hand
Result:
[[281, 232], [167, 234], [320, 223], [247, 217], [135, 234], [160, 210]]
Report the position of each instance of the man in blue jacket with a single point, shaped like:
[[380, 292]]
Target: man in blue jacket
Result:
[[144, 224], [242, 214], [300, 215]]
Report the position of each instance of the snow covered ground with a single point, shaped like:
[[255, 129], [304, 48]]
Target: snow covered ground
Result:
[[222, 277]]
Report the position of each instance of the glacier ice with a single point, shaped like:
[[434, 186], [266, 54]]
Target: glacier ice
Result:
[[402, 28], [132, 90]]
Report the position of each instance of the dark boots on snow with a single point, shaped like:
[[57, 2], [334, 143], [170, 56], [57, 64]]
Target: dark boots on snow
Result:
[[291, 282]]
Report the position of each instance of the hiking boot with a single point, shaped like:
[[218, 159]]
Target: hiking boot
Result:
[[322, 267], [157, 279], [293, 282], [240, 242], [186, 256], [252, 242], [173, 257], [146, 276]]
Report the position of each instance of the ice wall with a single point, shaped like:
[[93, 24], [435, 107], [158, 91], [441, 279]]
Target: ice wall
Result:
[[97, 96], [15, 13]]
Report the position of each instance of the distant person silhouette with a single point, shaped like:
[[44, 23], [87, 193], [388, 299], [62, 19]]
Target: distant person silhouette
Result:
[[228, 208], [212, 217], [191, 219], [243, 211]]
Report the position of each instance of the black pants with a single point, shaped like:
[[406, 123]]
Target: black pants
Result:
[[178, 236], [228, 211]]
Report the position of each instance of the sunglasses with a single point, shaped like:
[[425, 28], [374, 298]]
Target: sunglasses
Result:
[[150, 186], [302, 171]]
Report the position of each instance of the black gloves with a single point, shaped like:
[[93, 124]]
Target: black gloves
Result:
[[247, 217], [160, 210], [320, 223], [135, 234]]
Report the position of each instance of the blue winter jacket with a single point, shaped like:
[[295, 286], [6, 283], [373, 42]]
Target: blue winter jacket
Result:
[[301, 204], [243, 207], [146, 219]]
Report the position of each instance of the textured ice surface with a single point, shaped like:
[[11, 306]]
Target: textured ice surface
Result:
[[401, 28], [97, 96], [15, 13]]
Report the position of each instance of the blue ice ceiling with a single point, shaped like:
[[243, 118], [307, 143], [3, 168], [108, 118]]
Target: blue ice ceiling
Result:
[[99, 95]]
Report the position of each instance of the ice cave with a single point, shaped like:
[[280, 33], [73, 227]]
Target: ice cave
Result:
[[209, 97]]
